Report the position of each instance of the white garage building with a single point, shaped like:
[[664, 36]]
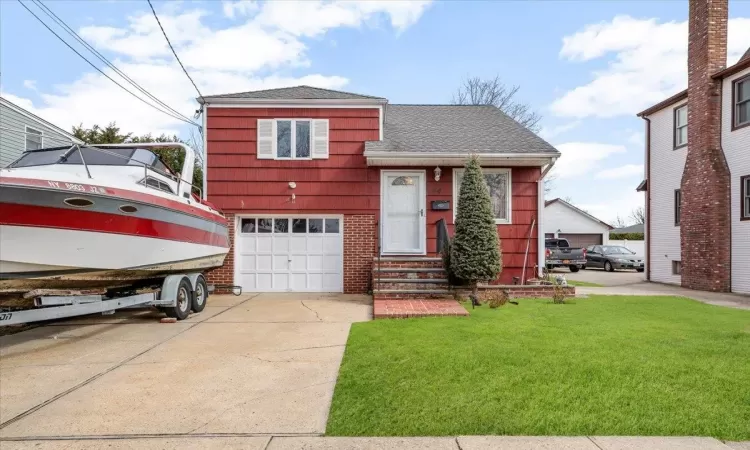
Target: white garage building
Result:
[[581, 229]]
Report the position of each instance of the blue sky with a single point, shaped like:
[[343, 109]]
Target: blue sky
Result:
[[586, 67]]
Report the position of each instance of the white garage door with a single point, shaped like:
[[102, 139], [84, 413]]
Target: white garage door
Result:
[[290, 254]]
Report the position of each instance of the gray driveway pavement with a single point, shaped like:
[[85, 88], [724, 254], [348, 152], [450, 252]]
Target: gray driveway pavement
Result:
[[252, 365]]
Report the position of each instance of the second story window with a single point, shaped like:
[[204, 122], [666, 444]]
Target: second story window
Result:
[[33, 139], [292, 139], [741, 103], [680, 126]]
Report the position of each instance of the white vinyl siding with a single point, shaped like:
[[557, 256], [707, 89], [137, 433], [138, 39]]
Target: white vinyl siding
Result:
[[559, 218], [736, 145], [499, 184], [284, 139], [667, 166], [13, 135]]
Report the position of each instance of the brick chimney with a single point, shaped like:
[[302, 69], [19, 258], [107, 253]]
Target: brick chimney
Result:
[[705, 213]]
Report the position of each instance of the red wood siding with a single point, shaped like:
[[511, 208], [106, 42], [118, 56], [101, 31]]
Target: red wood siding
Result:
[[238, 182]]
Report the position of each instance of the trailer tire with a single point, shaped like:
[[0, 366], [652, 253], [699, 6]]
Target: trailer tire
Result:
[[200, 295], [183, 302]]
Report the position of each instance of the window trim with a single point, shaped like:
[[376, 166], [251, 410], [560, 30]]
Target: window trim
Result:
[[675, 146], [677, 206], [293, 143], [744, 213], [26, 136], [508, 221], [735, 83]]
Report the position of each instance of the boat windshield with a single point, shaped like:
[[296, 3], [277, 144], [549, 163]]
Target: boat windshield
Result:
[[93, 157]]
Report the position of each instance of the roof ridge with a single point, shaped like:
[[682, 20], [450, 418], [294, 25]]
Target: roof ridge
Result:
[[435, 104], [299, 86]]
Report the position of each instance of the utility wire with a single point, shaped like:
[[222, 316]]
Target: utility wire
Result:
[[172, 48], [99, 70], [103, 59]]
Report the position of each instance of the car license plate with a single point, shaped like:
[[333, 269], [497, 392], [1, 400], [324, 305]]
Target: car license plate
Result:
[[566, 261]]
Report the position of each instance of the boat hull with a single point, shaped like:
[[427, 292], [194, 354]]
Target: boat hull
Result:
[[119, 237]]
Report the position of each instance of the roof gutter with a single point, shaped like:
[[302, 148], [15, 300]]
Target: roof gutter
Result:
[[407, 155]]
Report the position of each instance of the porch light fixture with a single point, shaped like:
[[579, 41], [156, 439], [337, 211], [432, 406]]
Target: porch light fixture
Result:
[[437, 173], [292, 185]]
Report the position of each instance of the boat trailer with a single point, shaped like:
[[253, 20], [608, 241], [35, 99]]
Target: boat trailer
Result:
[[178, 296]]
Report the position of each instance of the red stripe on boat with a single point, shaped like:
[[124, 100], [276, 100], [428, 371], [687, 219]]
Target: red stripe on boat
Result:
[[125, 194], [70, 219]]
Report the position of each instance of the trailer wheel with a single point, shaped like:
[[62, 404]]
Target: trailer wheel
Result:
[[183, 301], [200, 295]]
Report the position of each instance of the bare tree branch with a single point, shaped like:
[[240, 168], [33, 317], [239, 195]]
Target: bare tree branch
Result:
[[476, 91], [638, 215]]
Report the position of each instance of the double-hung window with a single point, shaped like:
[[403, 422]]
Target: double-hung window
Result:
[[741, 102], [292, 139], [680, 126], [745, 197], [498, 182], [34, 139]]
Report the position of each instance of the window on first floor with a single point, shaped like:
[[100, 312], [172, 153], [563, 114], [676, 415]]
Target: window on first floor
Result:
[[676, 267], [741, 102], [680, 126], [34, 139], [677, 206], [285, 225], [499, 184], [745, 197]]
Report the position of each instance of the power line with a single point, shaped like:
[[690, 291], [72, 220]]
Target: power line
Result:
[[172, 48], [102, 58], [99, 70]]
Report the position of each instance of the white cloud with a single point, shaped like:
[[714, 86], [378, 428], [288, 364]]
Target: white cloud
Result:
[[619, 203], [626, 171], [648, 64], [549, 133], [30, 84], [239, 8], [582, 158], [238, 57], [637, 139]]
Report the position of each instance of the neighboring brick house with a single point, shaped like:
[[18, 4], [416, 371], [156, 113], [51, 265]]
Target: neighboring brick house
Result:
[[315, 182], [698, 166]]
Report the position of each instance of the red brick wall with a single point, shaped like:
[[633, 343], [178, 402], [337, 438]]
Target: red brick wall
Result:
[[225, 273], [359, 248], [705, 214]]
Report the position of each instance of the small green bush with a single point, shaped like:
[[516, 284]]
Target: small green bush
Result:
[[626, 236], [453, 280]]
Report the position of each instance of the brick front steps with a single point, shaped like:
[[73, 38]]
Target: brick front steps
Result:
[[402, 309]]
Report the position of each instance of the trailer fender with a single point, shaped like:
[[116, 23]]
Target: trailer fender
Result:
[[169, 289]]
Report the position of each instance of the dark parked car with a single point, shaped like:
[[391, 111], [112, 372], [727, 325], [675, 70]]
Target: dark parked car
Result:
[[559, 253], [613, 257]]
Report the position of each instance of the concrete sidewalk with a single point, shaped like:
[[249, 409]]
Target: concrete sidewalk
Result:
[[383, 443], [645, 288]]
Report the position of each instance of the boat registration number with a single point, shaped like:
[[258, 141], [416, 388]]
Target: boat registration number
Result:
[[78, 187]]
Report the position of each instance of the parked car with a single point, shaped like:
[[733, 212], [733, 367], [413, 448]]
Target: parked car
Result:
[[613, 257], [559, 253]]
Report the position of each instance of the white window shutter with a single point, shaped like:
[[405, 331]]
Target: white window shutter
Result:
[[266, 139], [320, 139]]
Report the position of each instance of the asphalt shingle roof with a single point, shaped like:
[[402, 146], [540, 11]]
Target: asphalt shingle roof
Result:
[[455, 129], [297, 93], [637, 228]]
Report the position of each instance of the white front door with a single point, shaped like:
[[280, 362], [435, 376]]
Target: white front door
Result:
[[403, 212]]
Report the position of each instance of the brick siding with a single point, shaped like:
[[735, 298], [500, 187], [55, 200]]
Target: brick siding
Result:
[[359, 249], [225, 274], [705, 210]]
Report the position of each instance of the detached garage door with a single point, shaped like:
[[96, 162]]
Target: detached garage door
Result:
[[290, 254], [582, 240]]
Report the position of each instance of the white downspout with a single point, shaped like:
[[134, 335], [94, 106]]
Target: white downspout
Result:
[[205, 151], [540, 221]]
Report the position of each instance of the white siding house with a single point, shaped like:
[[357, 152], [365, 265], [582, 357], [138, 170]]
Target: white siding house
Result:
[[736, 145], [563, 220], [21, 130], [667, 165]]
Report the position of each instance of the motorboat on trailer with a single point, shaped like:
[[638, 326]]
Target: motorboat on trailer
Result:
[[103, 216]]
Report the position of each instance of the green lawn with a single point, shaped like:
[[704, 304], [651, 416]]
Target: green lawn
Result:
[[597, 366], [583, 283]]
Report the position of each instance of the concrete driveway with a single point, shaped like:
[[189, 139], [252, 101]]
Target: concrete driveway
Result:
[[600, 276], [251, 365]]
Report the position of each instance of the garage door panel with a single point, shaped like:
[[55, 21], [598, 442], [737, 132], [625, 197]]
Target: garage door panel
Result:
[[581, 240], [304, 258]]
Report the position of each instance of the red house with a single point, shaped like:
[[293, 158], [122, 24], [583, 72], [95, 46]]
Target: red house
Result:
[[319, 185]]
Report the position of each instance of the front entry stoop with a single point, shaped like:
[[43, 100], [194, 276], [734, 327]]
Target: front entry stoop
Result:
[[412, 286]]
